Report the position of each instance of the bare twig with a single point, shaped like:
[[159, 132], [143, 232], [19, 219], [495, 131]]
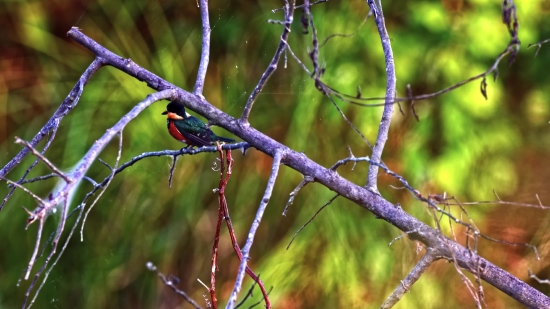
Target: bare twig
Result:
[[205, 53], [22, 179], [384, 126], [277, 158], [401, 236], [44, 159], [172, 169], [113, 170], [29, 192], [412, 277], [311, 219], [541, 281], [171, 284], [538, 45], [344, 35], [299, 6], [294, 192], [289, 11], [327, 91], [248, 294]]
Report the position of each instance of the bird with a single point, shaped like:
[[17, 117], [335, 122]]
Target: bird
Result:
[[188, 129]]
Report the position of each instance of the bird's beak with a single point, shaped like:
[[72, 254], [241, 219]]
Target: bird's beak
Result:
[[165, 112]]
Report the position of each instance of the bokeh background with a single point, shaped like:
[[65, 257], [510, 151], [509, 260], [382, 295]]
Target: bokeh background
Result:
[[463, 145]]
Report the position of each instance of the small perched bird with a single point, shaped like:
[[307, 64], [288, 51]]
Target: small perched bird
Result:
[[188, 129]]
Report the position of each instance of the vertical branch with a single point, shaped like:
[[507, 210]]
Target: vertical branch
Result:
[[255, 224], [205, 53], [68, 104], [289, 11], [390, 95]]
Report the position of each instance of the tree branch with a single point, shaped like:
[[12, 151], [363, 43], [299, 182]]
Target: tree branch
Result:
[[380, 207], [170, 283], [205, 53], [289, 11], [384, 126], [277, 158]]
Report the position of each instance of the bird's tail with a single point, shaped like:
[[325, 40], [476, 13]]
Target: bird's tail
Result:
[[224, 139]]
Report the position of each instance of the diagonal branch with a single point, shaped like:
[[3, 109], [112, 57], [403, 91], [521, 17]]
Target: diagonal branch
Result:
[[289, 11], [277, 158], [68, 104], [384, 126], [170, 283], [375, 203], [411, 278]]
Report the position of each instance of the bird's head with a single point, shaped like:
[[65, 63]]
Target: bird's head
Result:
[[176, 111]]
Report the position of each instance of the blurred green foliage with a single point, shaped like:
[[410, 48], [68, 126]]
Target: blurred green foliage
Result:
[[463, 145]]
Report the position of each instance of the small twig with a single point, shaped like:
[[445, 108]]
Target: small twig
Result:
[[205, 52], [38, 178], [264, 297], [533, 276], [351, 158], [411, 278], [289, 11], [538, 45], [500, 202], [36, 246], [44, 159], [311, 219], [303, 183], [150, 266], [401, 236], [277, 158], [34, 196], [248, 294], [345, 35], [172, 169], [299, 6], [113, 170]]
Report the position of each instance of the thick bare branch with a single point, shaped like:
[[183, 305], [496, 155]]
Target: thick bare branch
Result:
[[380, 207]]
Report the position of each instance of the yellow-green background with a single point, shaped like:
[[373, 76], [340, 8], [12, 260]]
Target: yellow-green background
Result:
[[463, 145]]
